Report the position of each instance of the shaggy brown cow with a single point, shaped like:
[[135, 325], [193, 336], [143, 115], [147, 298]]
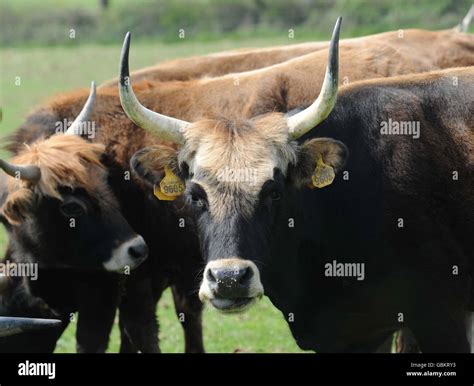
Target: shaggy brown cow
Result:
[[61, 214]]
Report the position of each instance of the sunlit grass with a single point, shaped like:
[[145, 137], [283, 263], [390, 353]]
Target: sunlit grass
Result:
[[261, 329]]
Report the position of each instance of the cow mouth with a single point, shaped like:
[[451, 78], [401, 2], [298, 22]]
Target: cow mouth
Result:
[[231, 305]]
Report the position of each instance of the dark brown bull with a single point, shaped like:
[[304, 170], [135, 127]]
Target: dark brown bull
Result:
[[425, 180]]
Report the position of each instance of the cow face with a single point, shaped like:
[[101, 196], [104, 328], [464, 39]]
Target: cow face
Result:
[[239, 177], [62, 211]]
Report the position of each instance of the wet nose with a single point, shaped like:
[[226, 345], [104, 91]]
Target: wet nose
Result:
[[232, 282], [138, 249]]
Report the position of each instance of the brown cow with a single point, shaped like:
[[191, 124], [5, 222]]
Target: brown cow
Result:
[[253, 92], [409, 42]]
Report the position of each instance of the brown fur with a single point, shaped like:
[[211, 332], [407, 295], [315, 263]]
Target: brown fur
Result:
[[65, 161], [221, 63], [261, 144], [277, 88], [251, 149], [299, 80], [280, 87], [236, 61]]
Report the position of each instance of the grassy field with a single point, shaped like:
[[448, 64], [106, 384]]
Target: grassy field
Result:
[[46, 71]]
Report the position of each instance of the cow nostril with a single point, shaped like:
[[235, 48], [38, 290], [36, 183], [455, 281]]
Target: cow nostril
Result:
[[211, 278], [245, 275], [138, 250]]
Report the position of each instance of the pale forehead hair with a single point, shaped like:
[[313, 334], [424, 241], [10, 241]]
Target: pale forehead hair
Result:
[[231, 160]]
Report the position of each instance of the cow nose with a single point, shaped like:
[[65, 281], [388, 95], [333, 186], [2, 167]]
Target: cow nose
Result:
[[232, 282], [138, 249]]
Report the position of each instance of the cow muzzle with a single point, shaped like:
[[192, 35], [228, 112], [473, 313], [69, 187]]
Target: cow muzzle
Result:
[[231, 285], [129, 254]]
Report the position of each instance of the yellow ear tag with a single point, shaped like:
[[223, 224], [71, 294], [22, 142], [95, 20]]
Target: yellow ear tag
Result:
[[323, 174], [171, 186]]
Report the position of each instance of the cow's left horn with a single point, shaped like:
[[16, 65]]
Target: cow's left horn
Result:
[[167, 128], [31, 173], [302, 122], [84, 115], [13, 325]]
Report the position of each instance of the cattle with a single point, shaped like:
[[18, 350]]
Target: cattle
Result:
[[63, 162], [54, 168], [253, 92], [108, 114], [409, 41], [384, 245], [61, 215], [220, 63]]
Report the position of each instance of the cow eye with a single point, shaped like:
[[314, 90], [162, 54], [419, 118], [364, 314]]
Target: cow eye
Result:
[[196, 199], [197, 195], [72, 209], [270, 190], [275, 195]]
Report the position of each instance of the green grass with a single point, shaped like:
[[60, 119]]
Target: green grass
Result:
[[45, 71], [261, 329]]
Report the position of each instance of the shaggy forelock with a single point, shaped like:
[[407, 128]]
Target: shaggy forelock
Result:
[[65, 161], [251, 148]]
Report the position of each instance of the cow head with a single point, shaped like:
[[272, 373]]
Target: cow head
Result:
[[59, 206], [239, 176]]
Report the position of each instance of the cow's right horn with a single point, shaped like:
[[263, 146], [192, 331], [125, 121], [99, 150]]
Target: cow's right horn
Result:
[[166, 128], [31, 173]]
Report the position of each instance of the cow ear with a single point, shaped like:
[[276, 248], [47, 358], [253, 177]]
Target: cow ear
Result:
[[149, 163], [332, 153]]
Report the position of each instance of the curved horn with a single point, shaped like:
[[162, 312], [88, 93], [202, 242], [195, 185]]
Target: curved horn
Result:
[[302, 122], [167, 128], [30, 173], [84, 115], [12, 325]]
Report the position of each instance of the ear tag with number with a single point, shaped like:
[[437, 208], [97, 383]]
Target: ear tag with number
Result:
[[171, 186], [323, 174]]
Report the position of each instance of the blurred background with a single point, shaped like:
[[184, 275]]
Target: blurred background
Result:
[[43, 22], [49, 46]]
